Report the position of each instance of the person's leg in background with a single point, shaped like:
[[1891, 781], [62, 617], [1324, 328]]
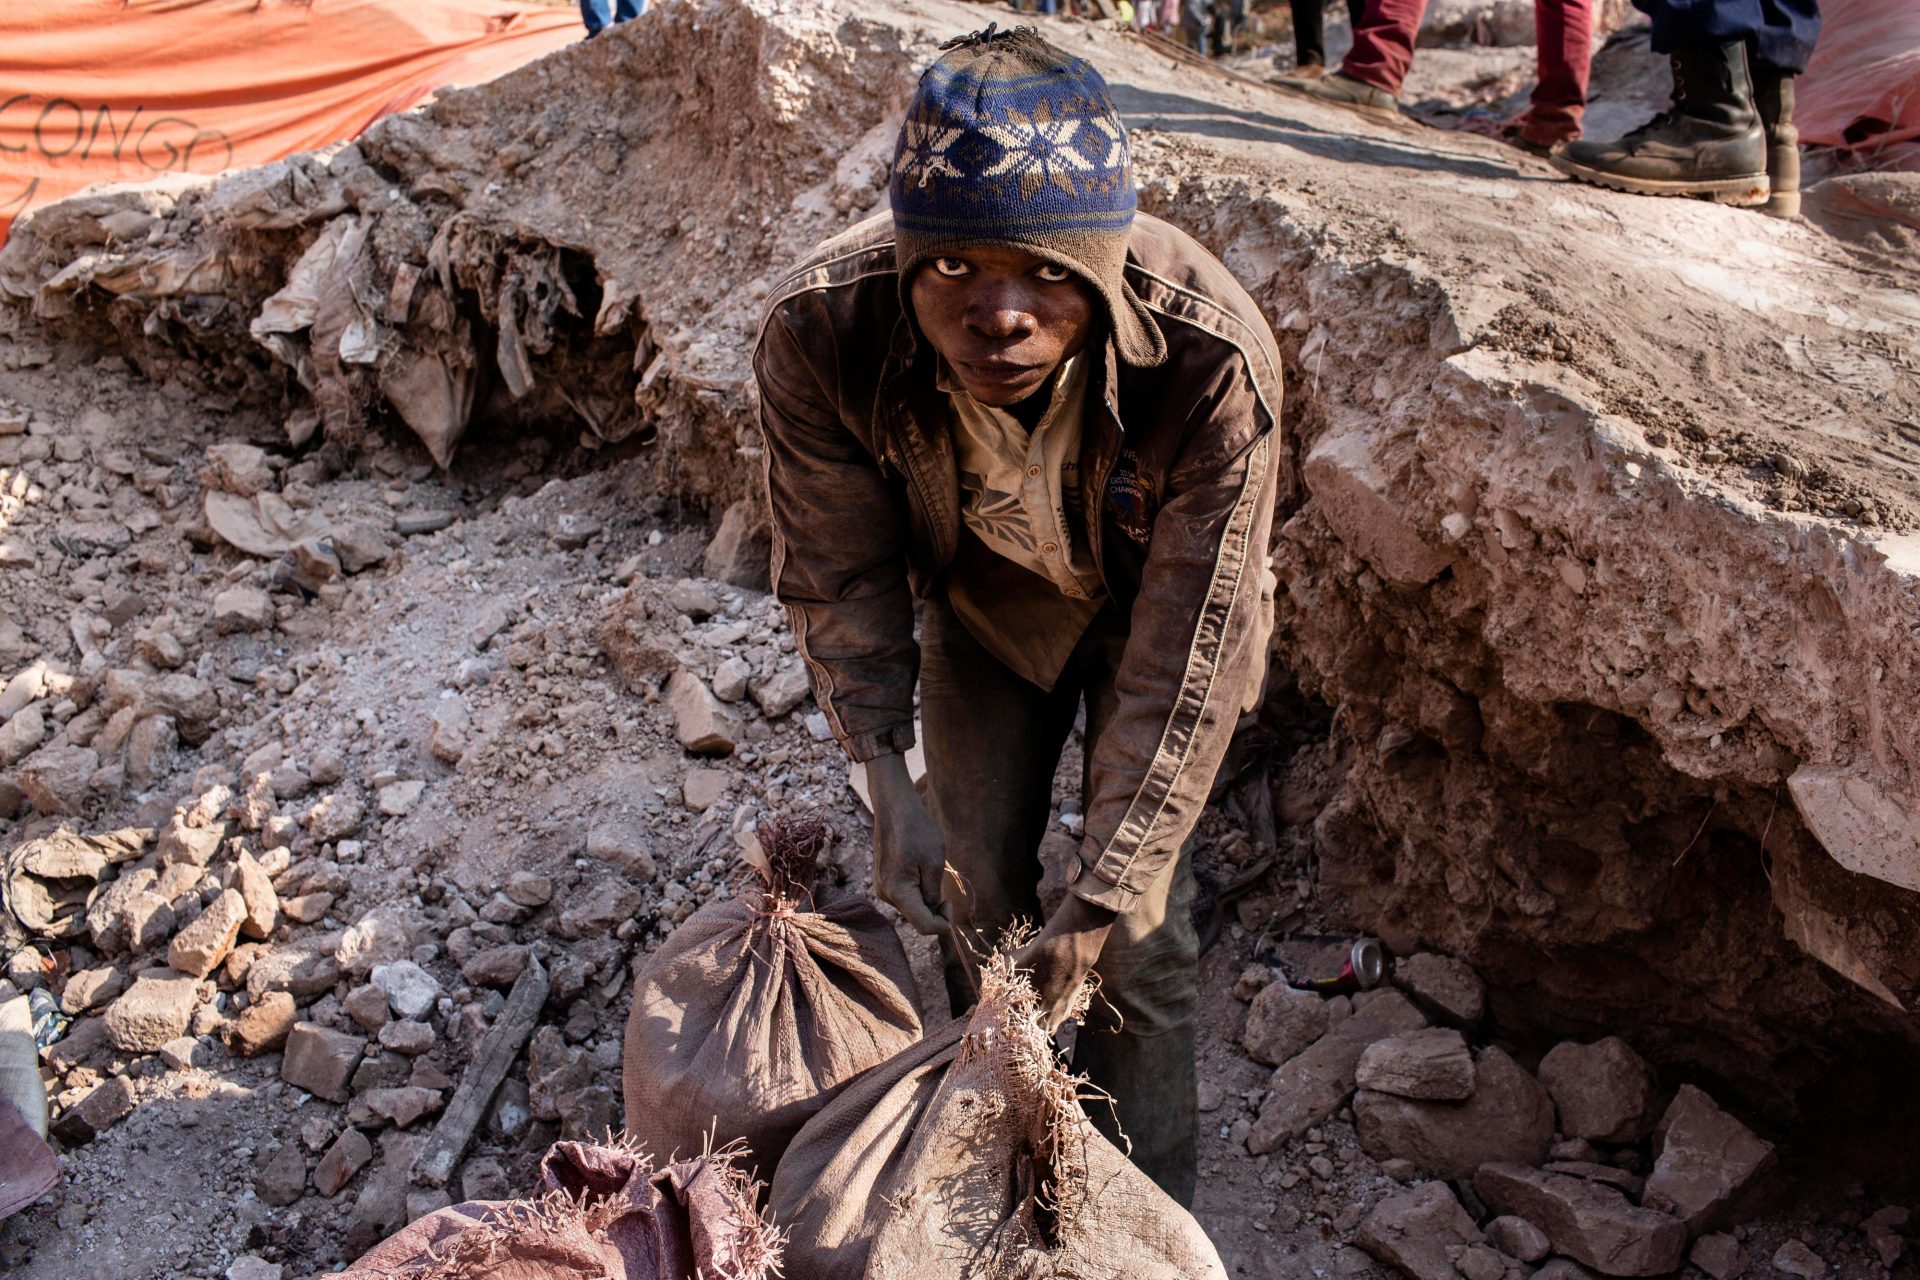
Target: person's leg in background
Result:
[[1309, 38], [1196, 25], [596, 15], [992, 741], [1563, 34], [1383, 44], [628, 10], [1775, 55], [1729, 134], [1370, 76]]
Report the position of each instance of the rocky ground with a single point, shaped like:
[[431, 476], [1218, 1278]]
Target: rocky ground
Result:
[[310, 747]]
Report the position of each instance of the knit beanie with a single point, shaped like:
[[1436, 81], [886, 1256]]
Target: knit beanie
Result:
[[1012, 141]]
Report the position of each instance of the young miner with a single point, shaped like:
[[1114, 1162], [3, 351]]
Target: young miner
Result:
[[1054, 421]]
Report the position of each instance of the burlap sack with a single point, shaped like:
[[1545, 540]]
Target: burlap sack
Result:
[[970, 1156], [757, 1009], [604, 1214]]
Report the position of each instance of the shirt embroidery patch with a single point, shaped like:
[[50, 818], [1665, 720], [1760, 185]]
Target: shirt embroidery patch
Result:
[[1129, 499]]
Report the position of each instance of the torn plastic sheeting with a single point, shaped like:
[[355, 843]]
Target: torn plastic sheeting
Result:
[[263, 525], [295, 307], [1861, 91], [49, 882], [28, 1169]]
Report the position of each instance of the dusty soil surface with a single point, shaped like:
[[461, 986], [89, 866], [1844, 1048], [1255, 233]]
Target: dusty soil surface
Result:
[[1599, 585]]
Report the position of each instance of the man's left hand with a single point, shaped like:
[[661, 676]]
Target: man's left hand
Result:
[[1060, 959]]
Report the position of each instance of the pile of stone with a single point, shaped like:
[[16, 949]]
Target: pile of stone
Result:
[[1584, 1167], [248, 787]]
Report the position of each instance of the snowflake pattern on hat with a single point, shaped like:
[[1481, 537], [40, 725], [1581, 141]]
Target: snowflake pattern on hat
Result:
[[1012, 138]]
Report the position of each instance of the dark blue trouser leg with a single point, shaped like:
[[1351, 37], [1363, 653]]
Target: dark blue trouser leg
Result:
[[596, 14], [1779, 32]]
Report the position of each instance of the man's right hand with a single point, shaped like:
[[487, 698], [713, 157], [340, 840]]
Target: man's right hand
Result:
[[908, 858]]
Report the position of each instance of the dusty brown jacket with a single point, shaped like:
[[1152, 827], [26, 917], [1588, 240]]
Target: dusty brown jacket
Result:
[[1180, 464]]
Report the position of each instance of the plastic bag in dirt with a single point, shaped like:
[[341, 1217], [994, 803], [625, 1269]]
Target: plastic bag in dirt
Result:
[[604, 1211], [758, 1009], [27, 1165], [970, 1156]]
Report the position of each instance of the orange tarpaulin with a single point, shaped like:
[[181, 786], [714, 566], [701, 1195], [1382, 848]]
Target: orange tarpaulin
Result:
[[127, 90]]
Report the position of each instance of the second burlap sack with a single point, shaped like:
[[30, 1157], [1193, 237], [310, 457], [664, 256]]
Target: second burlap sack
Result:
[[603, 1212], [754, 1013], [970, 1156]]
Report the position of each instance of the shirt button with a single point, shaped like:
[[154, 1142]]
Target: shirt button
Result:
[[1032, 472], [1050, 547]]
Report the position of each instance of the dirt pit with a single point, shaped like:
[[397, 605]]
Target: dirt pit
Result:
[[1596, 658]]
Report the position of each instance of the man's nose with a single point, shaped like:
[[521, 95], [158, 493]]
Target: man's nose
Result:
[[999, 315]]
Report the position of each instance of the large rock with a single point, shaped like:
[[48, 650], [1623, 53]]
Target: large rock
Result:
[[1314, 1083], [704, 725], [23, 732], [1603, 1091], [1447, 988], [1281, 1022], [262, 901], [1509, 1117], [346, 1157], [94, 1114], [155, 1009], [304, 968], [205, 942], [321, 1060], [242, 608], [1589, 1223], [411, 990], [451, 731], [262, 1026], [1417, 1231], [1709, 1163], [382, 936], [128, 915], [782, 690], [741, 550], [1433, 1064], [1518, 1238], [55, 778]]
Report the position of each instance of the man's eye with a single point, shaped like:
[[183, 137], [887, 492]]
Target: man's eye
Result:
[[951, 266], [1052, 273]]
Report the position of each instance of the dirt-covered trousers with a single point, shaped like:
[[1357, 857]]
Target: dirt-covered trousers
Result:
[[993, 741], [1563, 33]]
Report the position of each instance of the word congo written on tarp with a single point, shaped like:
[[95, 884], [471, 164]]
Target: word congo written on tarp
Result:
[[132, 90]]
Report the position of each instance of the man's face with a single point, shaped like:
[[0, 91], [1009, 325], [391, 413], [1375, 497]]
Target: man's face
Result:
[[1003, 318]]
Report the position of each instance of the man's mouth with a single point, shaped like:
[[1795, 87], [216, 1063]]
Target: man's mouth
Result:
[[998, 372]]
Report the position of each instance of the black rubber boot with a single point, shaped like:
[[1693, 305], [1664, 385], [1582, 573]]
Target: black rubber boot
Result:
[[1708, 143], [1773, 98]]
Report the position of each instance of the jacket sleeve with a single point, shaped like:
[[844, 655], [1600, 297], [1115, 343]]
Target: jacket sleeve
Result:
[[839, 539], [1196, 652]]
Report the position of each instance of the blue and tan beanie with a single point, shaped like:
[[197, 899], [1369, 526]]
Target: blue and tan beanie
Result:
[[1010, 140]]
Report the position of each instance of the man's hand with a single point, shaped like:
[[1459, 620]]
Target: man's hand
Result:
[[1064, 954], [908, 857]]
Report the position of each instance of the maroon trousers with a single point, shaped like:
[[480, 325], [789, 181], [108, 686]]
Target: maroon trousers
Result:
[[1383, 50]]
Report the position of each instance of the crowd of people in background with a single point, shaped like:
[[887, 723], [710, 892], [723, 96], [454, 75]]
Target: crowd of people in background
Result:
[[1206, 25], [1728, 136]]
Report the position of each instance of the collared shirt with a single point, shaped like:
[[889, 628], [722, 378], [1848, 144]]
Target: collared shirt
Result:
[[1030, 600]]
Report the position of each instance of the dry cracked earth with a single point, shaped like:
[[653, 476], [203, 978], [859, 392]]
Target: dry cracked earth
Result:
[[329, 706]]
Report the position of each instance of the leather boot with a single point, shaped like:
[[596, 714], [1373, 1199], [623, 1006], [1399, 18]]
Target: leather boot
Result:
[[1773, 98], [1708, 143]]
